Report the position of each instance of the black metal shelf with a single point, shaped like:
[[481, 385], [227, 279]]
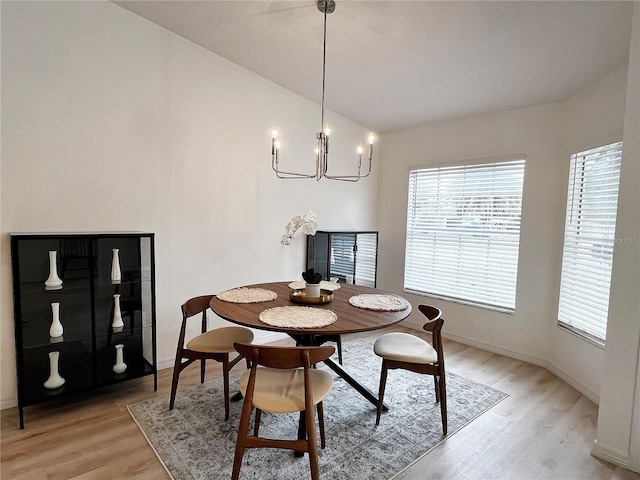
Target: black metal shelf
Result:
[[87, 347]]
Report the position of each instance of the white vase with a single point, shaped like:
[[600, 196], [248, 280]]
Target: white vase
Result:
[[56, 329], [119, 366], [53, 282], [117, 314], [312, 290], [55, 380], [116, 274]]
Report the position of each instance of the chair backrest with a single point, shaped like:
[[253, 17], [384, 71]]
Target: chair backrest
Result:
[[192, 307], [434, 325], [196, 305], [283, 357]]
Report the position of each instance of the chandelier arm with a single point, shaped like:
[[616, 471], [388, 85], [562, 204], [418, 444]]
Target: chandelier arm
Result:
[[354, 178], [286, 175], [291, 175]]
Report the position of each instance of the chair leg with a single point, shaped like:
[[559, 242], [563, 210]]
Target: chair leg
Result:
[[443, 404], [202, 367], [436, 384], [383, 384], [321, 424], [339, 342], [243, 430], [256, 425], [225, 374], [312, 443], [174, 382]]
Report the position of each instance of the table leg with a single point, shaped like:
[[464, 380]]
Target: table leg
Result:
[[361, 389], [317, 340]]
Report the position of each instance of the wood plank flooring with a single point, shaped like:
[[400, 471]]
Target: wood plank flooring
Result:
[[543, 430]]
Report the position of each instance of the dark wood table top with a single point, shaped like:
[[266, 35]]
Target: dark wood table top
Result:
[[350, 319]]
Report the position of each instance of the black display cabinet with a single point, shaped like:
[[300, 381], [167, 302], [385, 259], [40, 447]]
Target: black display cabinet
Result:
[[344, 256], [84, 311]]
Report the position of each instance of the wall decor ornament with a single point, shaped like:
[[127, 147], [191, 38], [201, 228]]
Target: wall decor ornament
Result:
[[307, 222], [117, 314], [119, 366], [56, 329], [55, 380], [53, 282], [116, 274]]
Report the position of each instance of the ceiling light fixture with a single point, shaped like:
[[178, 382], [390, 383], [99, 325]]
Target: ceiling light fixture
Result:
[[322, 149]]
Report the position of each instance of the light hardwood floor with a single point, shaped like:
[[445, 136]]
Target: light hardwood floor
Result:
[[543, 430]]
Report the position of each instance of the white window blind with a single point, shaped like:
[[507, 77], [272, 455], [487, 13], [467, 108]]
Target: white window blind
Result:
[[342, 255], [589, 236], [463, 232], [366, 259]]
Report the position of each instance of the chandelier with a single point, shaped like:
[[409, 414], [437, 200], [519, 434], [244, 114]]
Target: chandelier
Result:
[[322, 148]]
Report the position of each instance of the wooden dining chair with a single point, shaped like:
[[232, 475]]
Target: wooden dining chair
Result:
[[337, 339], [216, 344], [283, 380], [409, 352]]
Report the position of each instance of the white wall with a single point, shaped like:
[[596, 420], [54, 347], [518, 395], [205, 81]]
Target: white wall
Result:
[[619, 414], [110, 122], [535, 132], [604, 112], [547, 134]]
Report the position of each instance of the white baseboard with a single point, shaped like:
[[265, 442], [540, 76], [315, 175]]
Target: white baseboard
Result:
[[610, 455], [8, 403], [585, 391]]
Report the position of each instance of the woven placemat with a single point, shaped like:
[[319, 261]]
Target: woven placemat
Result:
[[298, 317], [247, 295], [324, 285], [379, 302]]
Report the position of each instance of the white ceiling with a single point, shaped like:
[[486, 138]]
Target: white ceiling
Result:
[[399, 64]]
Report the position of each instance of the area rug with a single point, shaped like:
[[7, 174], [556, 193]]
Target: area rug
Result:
[[195, 443]]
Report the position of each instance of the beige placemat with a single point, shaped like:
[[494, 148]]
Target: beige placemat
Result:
[[298, 317], [379, 302], [324, 285], [247, 295]]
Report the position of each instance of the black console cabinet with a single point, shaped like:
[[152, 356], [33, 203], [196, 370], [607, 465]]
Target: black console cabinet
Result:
[[346, 257], [105, 305]]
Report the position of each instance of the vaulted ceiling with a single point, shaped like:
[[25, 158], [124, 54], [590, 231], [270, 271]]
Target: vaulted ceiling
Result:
[[393, 65]]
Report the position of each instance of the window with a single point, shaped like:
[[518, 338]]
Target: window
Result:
[[589, 236], [463, 232]]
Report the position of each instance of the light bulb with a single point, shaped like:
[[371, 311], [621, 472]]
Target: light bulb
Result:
[[327, 130], [274, 133], [277, 144], [371, 139], [359, 149]]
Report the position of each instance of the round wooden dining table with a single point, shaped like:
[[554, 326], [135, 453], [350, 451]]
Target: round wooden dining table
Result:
[[350, 319]]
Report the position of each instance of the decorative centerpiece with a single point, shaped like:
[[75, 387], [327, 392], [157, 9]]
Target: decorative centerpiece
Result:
[[56, 329], [299, 295], [119, 366], [55, 380], [306, 222], [116, 273], [117, 323], [53, 282], [312, 279]]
